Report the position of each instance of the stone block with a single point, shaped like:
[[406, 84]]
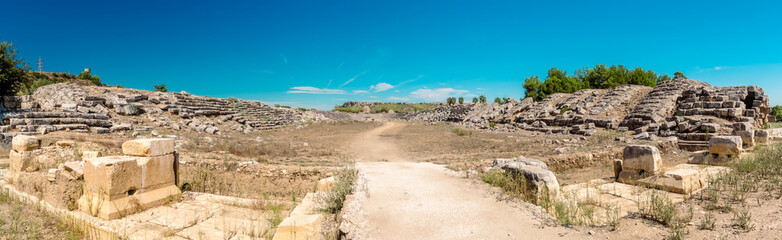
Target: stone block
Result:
[[148, 147], [324, 185], [299, 227], [25, 143], [157, 171], [742, 126], [617, 168], [537, 178], [747, 137], [710, 127], [725, 146], [761, 136], [641, 157], [90, 154], [20, 161], [114, 176]]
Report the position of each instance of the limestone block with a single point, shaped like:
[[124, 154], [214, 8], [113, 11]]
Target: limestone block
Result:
[[536, 177], [631, 176], [640, 157], [157, 171], [20, 161], [90, 154], [747, 137], [148, 147], [725, 146], [114, 176], [532, 162], [617, 168], [25, 143], [299, 227], [761, 136], [325, 185], [309, 204], [742, 126], [710, 127]]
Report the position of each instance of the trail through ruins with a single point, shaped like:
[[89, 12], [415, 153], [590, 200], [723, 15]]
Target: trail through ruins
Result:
[[408, 200]]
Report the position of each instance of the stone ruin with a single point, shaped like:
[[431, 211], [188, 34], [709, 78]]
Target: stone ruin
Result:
[[690, 110], [113, 186], [89, 109], [145, 177]]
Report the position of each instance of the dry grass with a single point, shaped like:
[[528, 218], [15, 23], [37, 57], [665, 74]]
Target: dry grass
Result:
[[18, 221]]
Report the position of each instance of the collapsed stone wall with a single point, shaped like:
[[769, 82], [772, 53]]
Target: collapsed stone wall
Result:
[[89, 109]]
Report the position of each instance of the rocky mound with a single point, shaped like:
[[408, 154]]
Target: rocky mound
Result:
[[679, 107]]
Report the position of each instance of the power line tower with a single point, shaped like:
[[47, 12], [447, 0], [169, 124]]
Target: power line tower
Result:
[[40, 64]]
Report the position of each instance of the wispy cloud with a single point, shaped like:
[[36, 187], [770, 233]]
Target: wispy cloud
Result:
[[381, 87], [329, 85], [360, 92], [398, 99], [284, 58], [438, 94], [353, 78], [410, 80], [314, 90]]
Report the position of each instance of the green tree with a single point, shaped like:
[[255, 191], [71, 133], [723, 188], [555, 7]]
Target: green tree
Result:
[[461, 100], [482, 99], [679, 75], [504, 100], [532, 87], [777, 112], [451, 101], [475, 100], [161, 88], [12, 70], [498, 100]]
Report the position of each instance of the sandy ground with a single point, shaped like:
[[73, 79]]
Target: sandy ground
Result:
[[409, 200]]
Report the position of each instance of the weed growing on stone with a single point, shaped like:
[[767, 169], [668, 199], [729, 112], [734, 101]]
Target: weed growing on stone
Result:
[[333, 200]]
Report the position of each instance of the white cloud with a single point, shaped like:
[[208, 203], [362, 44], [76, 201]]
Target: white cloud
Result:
[[438, 94], [314, 90], [374, 97], [718, 68], [381, 87], [398, 99], [360, 92]]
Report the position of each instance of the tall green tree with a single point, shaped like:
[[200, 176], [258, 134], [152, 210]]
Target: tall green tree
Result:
[[461, 100], [12, 69], [475, 100], [482, 99], [532, 87]]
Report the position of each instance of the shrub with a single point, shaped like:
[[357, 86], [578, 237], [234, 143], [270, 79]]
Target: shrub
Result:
[[30, 86], [461, 100], [482, 99], [475, 100], [498, 100], [161, 88], [95, 80], [459, 132]]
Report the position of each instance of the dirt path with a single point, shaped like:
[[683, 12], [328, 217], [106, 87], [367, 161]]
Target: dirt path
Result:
[[408, 200]]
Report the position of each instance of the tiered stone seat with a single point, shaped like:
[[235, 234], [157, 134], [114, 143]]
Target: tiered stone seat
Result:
[[57, 121]]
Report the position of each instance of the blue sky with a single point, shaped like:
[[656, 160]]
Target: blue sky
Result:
[[319, 54]]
